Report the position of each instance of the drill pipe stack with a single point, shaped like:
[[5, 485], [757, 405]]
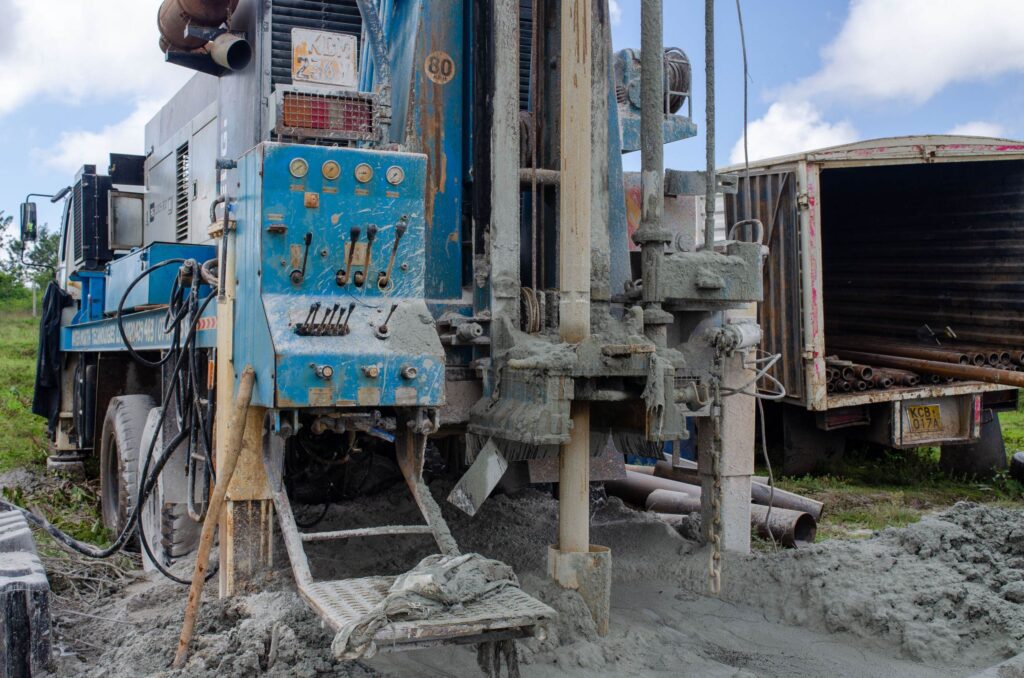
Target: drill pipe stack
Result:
[[905, 364]]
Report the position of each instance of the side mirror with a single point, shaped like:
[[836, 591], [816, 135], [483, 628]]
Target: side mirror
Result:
[[29, 227]]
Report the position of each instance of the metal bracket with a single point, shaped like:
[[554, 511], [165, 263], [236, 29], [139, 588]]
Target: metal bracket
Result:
[[678, 182]]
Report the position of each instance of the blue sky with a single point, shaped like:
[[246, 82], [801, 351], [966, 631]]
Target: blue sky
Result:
[[822, 72]]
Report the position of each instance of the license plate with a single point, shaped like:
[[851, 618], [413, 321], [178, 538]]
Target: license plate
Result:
[[924, 418]]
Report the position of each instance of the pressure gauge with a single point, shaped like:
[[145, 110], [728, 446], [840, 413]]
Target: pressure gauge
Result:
[[299, 168], [396, 175], [363, 173], [331, 170]]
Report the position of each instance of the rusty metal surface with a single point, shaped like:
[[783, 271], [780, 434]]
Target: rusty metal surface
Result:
[[774, 198], [929, 231]]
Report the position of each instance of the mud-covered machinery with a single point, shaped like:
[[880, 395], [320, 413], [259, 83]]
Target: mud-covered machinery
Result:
[[409, 218]]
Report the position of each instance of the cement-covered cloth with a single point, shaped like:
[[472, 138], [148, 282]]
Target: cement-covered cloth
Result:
[[437, 584]]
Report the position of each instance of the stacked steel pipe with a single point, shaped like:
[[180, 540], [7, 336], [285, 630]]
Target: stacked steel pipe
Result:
[[862, 362]]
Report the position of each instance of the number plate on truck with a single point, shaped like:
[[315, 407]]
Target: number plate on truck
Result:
[[924, 418]]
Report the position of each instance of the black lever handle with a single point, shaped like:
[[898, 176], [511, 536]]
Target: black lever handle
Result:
[[325, 324], [360, 276], [342, 276], [343, 329], [299, 275], [384, 279]]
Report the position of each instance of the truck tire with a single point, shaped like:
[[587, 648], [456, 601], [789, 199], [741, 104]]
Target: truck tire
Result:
[[120, 444], [170, 532], [983, 458]]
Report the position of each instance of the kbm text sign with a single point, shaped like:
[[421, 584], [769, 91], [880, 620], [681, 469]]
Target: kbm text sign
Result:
[[325, 59]]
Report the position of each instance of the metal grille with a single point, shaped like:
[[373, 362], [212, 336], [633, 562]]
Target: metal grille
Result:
[[525, 51], [326, 116], [340, 16], [183, 173]]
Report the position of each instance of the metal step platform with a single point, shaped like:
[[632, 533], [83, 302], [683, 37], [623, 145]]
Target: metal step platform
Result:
[[509, 613]]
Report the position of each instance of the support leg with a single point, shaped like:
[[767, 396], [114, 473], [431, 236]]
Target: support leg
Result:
[[247, 521], [409, 450]]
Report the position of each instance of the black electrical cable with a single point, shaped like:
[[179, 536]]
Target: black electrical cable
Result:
[[182, 435], [120, 314], [150, 479]]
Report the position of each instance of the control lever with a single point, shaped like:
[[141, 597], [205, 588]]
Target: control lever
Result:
[[360, 276], [343, 329], [383, 331], [306, 325], [342, 276], [299, 275], [325, 325], [384, 279]]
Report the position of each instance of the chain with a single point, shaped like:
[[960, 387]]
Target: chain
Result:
[[715, 529]]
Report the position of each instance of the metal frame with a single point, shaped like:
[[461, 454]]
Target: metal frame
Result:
[[283, 131]]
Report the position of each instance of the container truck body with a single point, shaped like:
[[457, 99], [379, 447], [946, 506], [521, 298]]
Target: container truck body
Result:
[[909, 245]]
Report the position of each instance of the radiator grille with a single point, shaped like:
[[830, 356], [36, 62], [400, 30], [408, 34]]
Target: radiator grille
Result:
[[340, 16], [183, 173], [340, 116]]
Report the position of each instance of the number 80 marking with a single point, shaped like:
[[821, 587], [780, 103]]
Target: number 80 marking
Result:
[[439, 67]]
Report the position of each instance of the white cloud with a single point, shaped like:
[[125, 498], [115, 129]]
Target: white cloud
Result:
[[912, 49], [80, 50], [791, 127], [979, 128], [76, 148], [893, 51], [615, 10]]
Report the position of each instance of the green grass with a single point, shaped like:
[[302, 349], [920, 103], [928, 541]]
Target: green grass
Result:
[[22, 435], [73, 506], [872, 490]]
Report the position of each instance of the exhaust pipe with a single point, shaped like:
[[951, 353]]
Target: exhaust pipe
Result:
[[175, 17], [230, 51]]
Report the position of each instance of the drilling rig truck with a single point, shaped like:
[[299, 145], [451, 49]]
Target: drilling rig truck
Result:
[[386, 230]]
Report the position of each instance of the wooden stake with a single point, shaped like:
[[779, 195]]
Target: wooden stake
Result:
[[236, 430]]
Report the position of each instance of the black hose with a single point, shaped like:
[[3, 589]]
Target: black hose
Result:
[[145, 488], [120, 314]]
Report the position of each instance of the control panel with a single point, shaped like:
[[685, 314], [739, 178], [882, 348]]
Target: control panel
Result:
[[341, 269]]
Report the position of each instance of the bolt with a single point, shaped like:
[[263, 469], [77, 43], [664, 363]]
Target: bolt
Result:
[[409, 372], [371, 371]]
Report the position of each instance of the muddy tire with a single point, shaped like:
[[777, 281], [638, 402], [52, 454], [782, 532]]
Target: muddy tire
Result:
[[120, 448], [983, 458], [170, 532]]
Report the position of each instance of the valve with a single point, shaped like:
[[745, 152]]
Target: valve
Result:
[[325, 372]]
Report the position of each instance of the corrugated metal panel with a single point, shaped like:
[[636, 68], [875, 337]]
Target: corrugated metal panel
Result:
[[938, 244], [341, 16], [773, 198]]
